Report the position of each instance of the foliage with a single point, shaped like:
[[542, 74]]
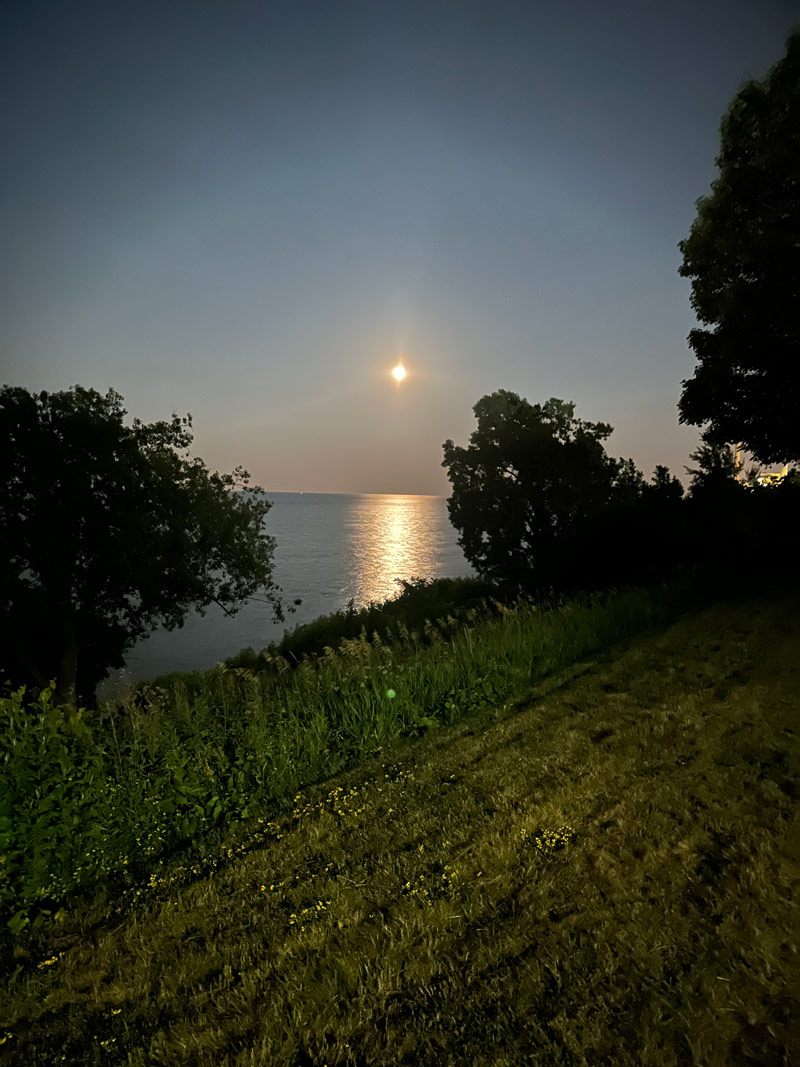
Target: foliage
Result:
[[111, 530], [640, 537], [420, 599], [81, 798], [665, 490], [530, 476], [743, 256], [734, 525], [84, 795], [716, 469], [56, 811]]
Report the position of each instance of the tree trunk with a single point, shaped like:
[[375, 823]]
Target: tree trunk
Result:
[[67, 657]]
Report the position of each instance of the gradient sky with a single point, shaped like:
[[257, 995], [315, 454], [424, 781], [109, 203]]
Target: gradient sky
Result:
[[249, 211]]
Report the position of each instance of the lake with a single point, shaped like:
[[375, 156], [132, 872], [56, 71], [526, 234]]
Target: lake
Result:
[[331, 548]]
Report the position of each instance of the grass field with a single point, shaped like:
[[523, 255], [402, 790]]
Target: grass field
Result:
[[604, 872], [86, 795]]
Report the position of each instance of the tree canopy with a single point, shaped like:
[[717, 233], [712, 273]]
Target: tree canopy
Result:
[[112, 529], [716, 472], [529, 476], [743, 256]]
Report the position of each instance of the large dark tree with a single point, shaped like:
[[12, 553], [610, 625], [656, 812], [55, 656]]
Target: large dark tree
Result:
[[110, 529], [531, 474], [743, 256]]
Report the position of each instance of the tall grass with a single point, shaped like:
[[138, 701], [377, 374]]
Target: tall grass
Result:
[[418, 600], [87, 794]]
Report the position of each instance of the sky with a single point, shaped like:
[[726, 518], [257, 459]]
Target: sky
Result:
[[252, 211]]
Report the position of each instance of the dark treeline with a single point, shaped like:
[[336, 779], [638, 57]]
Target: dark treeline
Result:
[[542, 509], [729, 529]]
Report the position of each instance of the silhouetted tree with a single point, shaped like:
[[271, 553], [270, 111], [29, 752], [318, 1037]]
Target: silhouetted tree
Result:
[[110, 530], [716, 469], [636, 538], [664, 489], [530, 476], [724, 516], [629, 484], [743, 256]]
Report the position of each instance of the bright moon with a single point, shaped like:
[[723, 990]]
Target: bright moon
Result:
[[399, 372]]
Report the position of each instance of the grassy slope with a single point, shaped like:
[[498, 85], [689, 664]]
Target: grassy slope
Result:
[[405, 913]]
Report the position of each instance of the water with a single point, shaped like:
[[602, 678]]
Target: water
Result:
[[330, 549]]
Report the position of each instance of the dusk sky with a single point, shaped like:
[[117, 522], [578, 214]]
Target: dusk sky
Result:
[[252, 211]]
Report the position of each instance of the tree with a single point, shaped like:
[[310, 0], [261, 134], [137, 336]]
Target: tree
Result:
[[743, 256], [726, 521], [530, 475], [111, 530], [665, 490], [716, 472], [638, 537]]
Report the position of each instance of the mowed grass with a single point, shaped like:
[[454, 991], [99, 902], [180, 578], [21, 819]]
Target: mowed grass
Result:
[[605, 872]]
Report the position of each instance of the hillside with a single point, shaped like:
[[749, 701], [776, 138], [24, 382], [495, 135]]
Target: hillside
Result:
[[605, 872]]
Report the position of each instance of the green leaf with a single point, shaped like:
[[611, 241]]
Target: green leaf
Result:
[[17, 923]]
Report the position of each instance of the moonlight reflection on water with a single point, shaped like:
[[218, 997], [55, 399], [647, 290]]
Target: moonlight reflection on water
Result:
[[393, 537], [330, 549]]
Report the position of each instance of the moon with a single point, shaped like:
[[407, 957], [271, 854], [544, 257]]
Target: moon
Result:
[[399, 372]]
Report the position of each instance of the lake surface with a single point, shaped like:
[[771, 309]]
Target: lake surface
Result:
[[330, 549]]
